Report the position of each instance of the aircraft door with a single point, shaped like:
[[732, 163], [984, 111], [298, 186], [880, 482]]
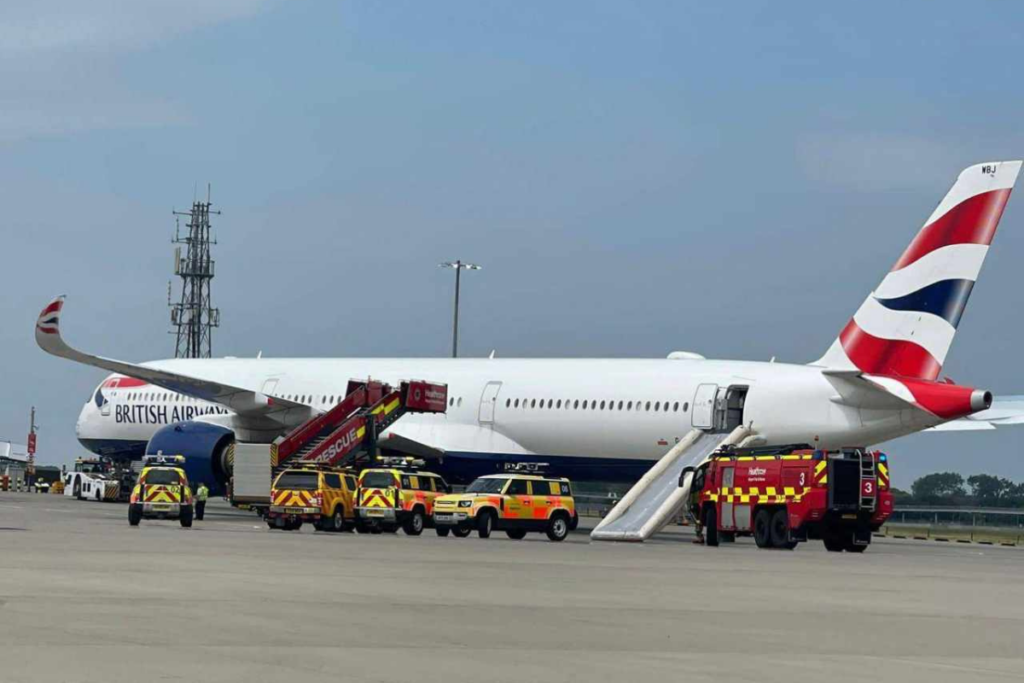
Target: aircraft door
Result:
[[489, 403], [269, 387], [703, 414]]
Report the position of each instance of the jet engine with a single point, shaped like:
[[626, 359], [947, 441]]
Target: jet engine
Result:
[[208, 451]]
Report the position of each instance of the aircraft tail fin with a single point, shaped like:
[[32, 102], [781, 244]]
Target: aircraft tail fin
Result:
[[906, 326]]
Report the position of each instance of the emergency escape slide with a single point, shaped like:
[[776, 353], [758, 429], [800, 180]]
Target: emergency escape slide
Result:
[[368, 409], [657, 497]]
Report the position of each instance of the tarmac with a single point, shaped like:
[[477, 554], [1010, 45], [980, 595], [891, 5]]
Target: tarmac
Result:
[[84, 598]]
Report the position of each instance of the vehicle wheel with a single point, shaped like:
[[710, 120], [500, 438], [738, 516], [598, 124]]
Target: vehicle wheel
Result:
[[414, 524], [375, 529], [186, 517], [516, 534], [296, 525], [558, 527], [575, 522], [134, 514], [442, 531], [390, 528], [484, 524], [461, 532], [851, 547], [780, 530], [833, 542], [763, 529], [711, 527], [270, 524], [362, 528], [337, 524]]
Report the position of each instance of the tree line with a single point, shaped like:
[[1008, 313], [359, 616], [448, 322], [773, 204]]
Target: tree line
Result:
[[951, 488]]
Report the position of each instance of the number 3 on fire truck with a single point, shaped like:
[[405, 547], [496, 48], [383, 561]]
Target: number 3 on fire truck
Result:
[[803, 478]]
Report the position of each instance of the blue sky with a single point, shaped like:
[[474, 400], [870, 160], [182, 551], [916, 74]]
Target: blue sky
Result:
[[635, 178]]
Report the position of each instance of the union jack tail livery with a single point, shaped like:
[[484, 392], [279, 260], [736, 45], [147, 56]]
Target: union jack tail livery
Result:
[[906, 326]]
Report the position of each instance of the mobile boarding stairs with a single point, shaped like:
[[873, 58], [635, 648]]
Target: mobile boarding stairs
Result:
[[343, 436], [349, 429], [658, 497]]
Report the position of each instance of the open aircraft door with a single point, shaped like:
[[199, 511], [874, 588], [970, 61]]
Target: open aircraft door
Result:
[[703, 414], [489, 402]]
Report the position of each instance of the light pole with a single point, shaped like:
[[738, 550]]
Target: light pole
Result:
[[458, 267]]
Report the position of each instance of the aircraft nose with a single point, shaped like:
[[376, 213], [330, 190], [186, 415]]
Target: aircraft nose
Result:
[[82, 424]]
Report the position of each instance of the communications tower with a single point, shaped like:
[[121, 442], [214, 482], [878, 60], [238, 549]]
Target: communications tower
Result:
[[194, 316]]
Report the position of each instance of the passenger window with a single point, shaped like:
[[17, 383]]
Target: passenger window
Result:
[[542, 488], [563, 488], [332, 481], [442, 485], [517, 487], [405, 482], [351, 483], [686, 406], [414, 483]]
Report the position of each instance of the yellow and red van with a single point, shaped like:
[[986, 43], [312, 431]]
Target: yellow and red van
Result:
[[324, 497], [392, 497]]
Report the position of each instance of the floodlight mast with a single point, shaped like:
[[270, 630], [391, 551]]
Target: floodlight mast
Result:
[[458, 267]]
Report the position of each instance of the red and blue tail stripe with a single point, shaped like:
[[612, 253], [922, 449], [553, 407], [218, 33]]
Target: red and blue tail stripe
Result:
[[906, 326]]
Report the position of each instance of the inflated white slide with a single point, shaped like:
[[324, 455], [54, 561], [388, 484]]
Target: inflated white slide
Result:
[[657, 497]]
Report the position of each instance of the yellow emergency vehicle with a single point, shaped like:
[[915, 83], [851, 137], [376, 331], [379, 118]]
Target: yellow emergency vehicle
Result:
[[162, 492], [513, 503], [400, 496], [323, 496]]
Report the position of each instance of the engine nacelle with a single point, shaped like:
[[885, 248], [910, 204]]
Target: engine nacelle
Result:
[[206, 447]]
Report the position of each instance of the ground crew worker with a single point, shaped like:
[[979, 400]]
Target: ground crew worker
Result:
[[693, 505], [202, 493]]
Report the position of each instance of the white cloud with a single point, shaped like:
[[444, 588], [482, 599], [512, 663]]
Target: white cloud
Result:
[[60, 59], [49, 25], [873, 162]]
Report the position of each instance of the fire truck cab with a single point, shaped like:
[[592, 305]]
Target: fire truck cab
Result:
[[784, 496]]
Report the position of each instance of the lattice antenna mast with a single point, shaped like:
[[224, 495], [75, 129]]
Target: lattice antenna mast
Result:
[[194, 316]]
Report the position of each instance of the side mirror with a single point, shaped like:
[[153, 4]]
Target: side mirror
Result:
[[682, 475]]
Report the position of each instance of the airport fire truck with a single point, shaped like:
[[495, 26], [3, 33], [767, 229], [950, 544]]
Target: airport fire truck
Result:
[[784, 496]]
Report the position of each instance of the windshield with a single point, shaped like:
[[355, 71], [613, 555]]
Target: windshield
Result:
[[486, 486], [378, 480], [302, 481], [165, 477]]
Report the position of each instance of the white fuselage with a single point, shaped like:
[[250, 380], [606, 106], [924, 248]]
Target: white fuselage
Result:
[[635, 409]]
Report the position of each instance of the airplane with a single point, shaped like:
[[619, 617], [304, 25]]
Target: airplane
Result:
[[595, 419]]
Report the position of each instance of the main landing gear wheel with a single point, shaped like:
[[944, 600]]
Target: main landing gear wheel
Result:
[[763, 529], [780, 531]]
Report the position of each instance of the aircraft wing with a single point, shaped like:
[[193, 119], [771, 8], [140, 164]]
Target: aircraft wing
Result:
[[1005, 411], [244, 402]]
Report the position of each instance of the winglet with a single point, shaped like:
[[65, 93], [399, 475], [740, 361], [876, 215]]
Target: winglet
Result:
[[48, 329]]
